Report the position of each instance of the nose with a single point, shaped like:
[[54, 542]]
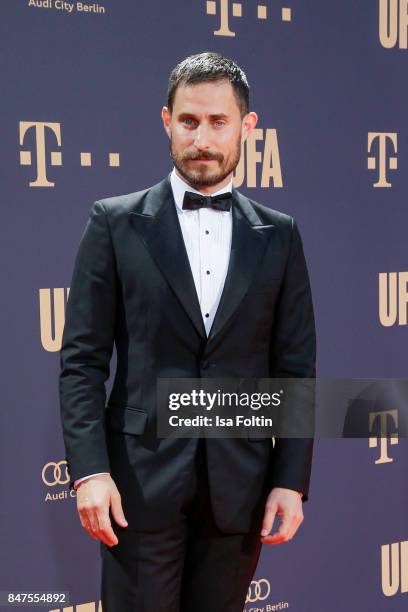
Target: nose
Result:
[[201, 139]]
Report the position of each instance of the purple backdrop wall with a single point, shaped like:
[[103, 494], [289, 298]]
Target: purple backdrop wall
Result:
[[328, 82]]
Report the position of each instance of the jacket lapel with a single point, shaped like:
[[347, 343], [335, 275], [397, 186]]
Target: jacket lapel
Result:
[[249, 239], [155, 220]]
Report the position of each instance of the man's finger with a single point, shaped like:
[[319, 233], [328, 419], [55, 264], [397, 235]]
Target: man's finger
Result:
[[91, 533], [105, 529], [85, 524], [90, 522], [286, 527], [296, 524], [88, 517], [96, 527], [117, 510], [269, 517], [109, 536], [88, 529]]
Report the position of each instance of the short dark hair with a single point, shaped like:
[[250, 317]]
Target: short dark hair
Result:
[[209, 66]]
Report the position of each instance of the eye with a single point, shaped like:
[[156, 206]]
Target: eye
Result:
[[219, 122], [189, 121]]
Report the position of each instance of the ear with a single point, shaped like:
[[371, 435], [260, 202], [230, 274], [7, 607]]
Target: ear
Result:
[[248, 123], [166, 118]]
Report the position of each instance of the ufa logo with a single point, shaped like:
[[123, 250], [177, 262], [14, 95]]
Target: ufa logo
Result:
[[92, 606], [224, 9], [394, 568], [260, 160], [44, 158], [52, 317], [393, 298], [393, 23], [385, 436]]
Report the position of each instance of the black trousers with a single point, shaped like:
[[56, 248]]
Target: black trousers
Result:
[[190, 567]]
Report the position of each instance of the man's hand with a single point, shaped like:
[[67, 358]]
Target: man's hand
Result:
[[94, 497], [287, 504]]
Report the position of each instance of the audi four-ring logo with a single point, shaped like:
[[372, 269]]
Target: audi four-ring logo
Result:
[[258, 590], [55, 473]]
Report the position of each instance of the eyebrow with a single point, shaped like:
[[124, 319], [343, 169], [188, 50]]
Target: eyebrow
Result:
[[212, 116]]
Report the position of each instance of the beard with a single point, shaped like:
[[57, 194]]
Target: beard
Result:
[[202, 175]]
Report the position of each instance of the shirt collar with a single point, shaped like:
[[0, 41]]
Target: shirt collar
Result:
[[180, 187]]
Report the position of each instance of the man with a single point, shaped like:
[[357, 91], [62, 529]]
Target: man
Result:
[[186, 287]]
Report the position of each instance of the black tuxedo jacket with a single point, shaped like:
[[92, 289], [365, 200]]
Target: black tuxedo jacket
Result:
[[132, 286]]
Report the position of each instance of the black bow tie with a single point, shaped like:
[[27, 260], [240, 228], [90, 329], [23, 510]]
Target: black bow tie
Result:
[[194, 201]]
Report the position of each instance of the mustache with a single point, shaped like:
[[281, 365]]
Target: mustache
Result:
[[204, 155]]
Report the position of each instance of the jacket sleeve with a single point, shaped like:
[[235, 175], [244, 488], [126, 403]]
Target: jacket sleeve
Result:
[[86, 349], [293, 355]]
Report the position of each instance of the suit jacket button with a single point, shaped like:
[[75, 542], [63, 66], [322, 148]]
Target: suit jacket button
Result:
[[204, 364]]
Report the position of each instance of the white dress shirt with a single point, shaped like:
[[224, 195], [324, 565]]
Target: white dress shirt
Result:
[[207, 237]]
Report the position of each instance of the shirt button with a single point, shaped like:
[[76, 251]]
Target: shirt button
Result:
[[207, 232], [206, 314], [208, 271]]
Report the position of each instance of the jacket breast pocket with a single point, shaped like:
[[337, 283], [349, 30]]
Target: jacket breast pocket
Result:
[[128, 420]]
